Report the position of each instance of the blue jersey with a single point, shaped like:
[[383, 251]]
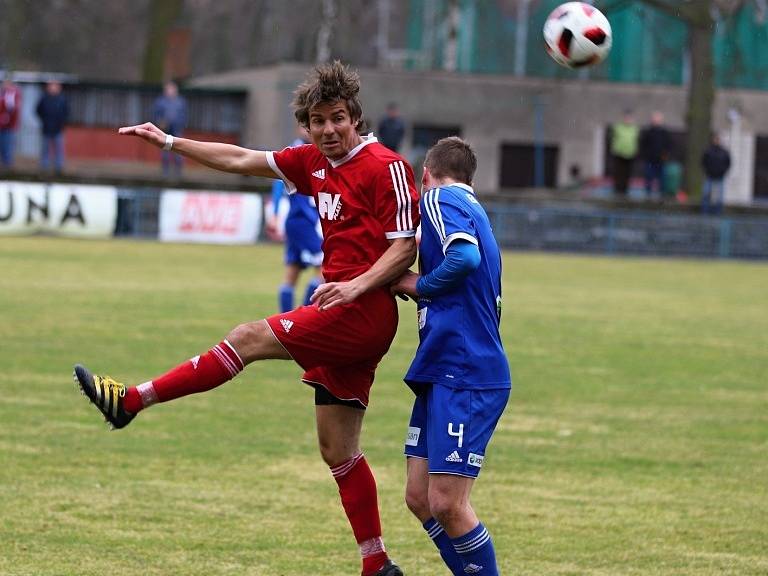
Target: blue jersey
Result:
[[459, 341], [303, 242], [302, 208]]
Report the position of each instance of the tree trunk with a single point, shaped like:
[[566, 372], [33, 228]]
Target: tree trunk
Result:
[[701, 98], [162, 15]]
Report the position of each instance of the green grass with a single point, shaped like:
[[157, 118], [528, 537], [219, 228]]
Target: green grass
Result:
[[635, 442]]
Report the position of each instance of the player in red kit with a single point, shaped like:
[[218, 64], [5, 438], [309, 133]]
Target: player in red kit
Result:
[[368, 208]]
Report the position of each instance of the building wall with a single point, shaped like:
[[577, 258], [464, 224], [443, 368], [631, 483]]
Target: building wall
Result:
[[493, 110]]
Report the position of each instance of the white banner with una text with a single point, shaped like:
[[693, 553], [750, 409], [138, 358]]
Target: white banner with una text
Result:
[[62, 209], [210, 217]]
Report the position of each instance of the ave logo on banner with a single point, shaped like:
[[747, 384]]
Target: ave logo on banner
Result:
[[63, 209], [218, 218]]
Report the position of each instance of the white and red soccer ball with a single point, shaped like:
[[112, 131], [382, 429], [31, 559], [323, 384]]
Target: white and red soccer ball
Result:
[[577, 35]]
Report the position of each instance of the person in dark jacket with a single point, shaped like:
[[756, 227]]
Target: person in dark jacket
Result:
[[716, 162], [170, 114], [391, 128], [53, 111], [655, 146]]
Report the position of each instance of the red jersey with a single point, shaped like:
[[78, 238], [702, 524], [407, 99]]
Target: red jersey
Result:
[[364, 200], [10, 106]]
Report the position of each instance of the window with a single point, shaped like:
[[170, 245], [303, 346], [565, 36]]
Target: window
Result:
[[518, 166], [426, 136], [761, 168]]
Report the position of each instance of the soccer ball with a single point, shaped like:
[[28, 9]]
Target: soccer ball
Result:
[[577, 34]]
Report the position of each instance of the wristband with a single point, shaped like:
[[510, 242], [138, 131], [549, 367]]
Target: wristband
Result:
[[168, 142]]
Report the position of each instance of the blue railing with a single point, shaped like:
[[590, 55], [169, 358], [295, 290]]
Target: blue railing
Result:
[[578, 229], [629, 232]]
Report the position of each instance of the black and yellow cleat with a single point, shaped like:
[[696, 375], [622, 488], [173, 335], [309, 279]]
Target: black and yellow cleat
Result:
[[389, 569], [106, 394]]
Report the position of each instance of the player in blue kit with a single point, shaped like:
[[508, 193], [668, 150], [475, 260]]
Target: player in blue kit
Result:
[[303, 242], [460, 373]]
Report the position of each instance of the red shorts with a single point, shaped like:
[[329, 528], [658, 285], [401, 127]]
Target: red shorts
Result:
[[339, 348]]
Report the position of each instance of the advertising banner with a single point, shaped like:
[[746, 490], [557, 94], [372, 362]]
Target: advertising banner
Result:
[[210, 217], [75, 210]]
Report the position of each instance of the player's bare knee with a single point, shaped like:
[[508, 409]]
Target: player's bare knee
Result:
[[332, 453], [417, 502], [326, 452], [241, 338], [251, 340], [445, 509]]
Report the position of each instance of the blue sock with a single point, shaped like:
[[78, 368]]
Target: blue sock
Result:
[[285, 297], [476, 551], [443, 543], [313, 284]]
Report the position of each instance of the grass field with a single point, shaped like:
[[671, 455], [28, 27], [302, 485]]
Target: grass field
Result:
[[635, 442]]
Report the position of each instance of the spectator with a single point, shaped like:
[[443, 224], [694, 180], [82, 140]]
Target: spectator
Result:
[[624, 142], [716, 162], [170, 114], [53, 111], [10, 105], [655, 145], [391, 128]]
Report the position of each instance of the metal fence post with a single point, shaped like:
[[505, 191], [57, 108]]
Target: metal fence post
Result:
[[610, 247], [724, 249]]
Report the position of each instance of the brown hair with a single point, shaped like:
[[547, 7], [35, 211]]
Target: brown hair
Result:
[[453, 158], [332, 82]]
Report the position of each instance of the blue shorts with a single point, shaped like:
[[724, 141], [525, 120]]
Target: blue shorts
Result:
[[451, 428], [303, 245]]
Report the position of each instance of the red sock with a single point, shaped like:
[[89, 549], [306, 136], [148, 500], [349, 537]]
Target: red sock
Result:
[[357, 488], [220, 364]]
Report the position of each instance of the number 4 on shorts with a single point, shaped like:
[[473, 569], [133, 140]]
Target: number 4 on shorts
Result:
[[459, 434]]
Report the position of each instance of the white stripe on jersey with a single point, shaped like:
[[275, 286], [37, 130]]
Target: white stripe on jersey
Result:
[[396, 184], [399, 181], [433, 211], [407, 195]]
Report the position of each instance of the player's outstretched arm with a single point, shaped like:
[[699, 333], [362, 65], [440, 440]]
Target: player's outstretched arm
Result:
[[391, 265], [224, 157]]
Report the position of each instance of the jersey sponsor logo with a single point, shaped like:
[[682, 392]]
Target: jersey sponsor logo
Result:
[[472, 568], [475, 460], [195, 361], [412, 439], [287, 324], [454, 457], [421, 316], [329, 205], [319, 173], [458, 434]]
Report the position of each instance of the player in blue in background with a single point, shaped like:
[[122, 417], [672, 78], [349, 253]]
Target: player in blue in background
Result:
[[303, 242], [460, 373]]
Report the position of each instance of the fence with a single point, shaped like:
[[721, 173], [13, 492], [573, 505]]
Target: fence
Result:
[[649, 46], [629, 233], [558, 229], [150, 212]]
